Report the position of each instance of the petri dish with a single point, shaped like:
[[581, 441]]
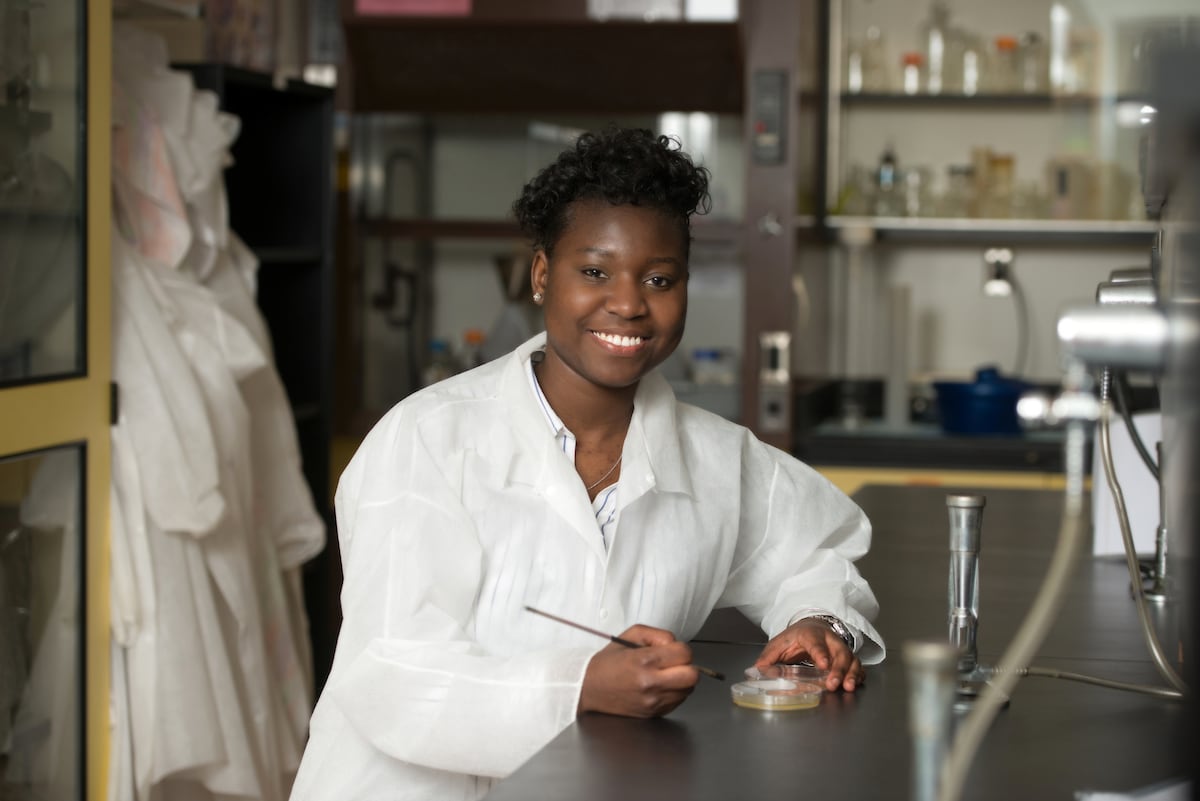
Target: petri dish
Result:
[[772, 690], [805, 673]]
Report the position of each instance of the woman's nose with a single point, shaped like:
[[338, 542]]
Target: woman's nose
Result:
[[626, 298]]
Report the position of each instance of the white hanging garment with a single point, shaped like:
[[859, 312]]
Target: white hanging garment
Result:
[[208, 612]]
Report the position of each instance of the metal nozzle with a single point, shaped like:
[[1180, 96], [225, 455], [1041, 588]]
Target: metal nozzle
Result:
[[966, 524], [1140, 293]]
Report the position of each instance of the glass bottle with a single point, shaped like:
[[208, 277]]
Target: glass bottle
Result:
[[971, 63], [472, 348], [1033, 64], [912, 72], [999, 201], [441, 363], [1004, 74], [960, 191], [888, 197], [935, 41], [875, 73]]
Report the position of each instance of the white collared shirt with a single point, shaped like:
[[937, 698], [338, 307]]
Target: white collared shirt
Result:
[[605, 502]]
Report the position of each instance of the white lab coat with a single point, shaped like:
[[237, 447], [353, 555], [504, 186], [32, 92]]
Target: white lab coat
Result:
[[459, 509], [211, 515]]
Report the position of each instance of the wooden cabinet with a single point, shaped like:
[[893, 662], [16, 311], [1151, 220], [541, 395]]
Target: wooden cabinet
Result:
[[514, 56]]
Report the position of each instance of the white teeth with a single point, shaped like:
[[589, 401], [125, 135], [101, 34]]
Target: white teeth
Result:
[[624, 342]]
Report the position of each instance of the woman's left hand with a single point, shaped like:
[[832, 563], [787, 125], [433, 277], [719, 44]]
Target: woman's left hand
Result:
[[815, 641]]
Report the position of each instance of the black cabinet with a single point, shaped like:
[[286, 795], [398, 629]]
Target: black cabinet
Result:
[[280, 194]]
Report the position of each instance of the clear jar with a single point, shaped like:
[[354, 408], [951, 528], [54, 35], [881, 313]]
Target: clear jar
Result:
[[935, 41], [913, 73], [1033, 64], [1004, 75], [959, 198], [915, 182], [867, 63], [889, 198], [441, 363], [972, 71], [999, 199]]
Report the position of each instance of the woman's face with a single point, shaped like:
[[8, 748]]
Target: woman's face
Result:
[[614, 292]]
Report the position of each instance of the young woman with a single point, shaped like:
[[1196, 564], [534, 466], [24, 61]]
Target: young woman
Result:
[[565, 476]]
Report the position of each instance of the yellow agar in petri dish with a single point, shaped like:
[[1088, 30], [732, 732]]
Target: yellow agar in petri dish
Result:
[[777, 695]]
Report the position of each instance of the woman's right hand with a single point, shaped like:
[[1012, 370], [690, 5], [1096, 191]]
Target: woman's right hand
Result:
[[641, 682]]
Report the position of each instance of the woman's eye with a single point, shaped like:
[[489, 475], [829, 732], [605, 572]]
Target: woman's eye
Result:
[[660, 281], [592, 272]]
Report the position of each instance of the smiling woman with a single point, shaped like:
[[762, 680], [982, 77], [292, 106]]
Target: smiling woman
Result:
[[566, 477]]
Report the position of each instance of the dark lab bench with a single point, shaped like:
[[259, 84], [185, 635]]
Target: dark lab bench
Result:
[[1056, 738], [926, 446]]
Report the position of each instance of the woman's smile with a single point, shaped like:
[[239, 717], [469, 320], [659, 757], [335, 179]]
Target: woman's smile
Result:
[[618, 343]]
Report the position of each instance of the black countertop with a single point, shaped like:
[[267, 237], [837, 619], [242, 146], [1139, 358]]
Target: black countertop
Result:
[[1057, 737], [924, 445]]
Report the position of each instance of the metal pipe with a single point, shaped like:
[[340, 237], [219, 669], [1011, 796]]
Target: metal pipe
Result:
[[930, 667], [1131, 561], [966, 517], [1045, 607]]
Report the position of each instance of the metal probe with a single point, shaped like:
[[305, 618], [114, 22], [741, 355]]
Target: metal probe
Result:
[[966, 518]]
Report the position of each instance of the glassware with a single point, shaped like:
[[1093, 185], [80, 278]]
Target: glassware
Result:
[[935, 39], [866, 63], [888, 200], [1004, 75], [858, 192], [1033, 64], [959, 198], [916, 191], [912, 72], [876, 75], [999, 199], [972, 63]]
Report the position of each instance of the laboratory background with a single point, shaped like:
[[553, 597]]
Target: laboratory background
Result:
[[952, 263]]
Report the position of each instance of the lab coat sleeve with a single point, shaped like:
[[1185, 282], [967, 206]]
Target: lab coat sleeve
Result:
[[798, 541], [414, 684]]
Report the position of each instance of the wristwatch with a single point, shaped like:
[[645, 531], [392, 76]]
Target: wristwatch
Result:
[[839, 628]]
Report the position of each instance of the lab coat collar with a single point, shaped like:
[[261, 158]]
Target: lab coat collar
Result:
[[652, 456]]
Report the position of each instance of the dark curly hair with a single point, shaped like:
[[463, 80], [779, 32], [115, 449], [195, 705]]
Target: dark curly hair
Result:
[[624, 166]]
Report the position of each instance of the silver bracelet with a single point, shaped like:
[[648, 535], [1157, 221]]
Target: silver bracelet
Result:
[[838, 627]]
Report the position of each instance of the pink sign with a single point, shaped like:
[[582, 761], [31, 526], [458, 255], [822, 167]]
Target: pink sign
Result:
[[413, 8]]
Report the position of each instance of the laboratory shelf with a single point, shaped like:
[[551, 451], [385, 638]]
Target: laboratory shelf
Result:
[[988, 231], [1000, 102], [715, 231]]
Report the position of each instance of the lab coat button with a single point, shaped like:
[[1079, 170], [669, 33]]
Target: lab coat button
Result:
[[604, 614]]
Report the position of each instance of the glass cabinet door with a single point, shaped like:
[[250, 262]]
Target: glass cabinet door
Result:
[[41, 191], [971, 113], [54, 398], [41, 625]]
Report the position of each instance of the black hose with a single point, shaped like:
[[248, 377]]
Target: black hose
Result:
[[1120, 387]]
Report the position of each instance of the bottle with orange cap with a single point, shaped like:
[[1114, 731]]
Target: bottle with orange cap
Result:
[[472, 348], [1005, 68]]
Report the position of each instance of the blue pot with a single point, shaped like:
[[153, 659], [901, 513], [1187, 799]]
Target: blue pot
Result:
[[986, 406]]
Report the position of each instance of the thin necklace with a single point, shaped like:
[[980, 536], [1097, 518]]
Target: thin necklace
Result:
[[607, 473]]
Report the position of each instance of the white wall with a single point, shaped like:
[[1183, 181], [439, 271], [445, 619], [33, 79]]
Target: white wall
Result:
[[956, 328]]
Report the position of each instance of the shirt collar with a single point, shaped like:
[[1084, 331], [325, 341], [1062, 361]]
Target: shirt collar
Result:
[[653, 454]]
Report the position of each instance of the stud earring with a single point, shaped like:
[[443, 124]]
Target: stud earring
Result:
[[537, 297]]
